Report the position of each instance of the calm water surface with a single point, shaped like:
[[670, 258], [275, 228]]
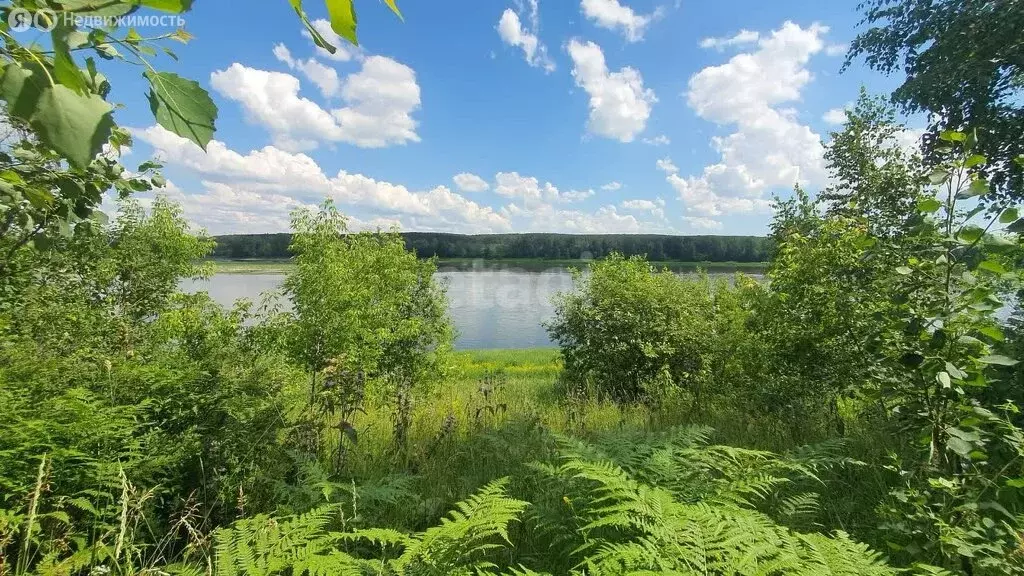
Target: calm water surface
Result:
[[491, 308]]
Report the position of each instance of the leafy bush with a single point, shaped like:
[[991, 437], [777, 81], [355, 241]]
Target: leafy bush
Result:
[[631, 333], [370, 311]]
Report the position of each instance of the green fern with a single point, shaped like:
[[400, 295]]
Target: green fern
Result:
[[477, 526], [304, 544], [603, 509], [624, 526]]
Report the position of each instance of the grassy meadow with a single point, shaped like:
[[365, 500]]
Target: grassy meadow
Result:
[[501, 411]]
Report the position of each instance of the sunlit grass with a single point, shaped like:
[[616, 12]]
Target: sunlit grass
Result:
[[252, 266], [462, 438]]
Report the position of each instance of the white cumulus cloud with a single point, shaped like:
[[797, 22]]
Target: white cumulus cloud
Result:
[[470, 182], [835, 116], [379, 101], [531, 193], [667, 166], [605, 220], [769, 148], [741, 38], [271, 176], [612, 186], [576, 195], [325, 77], [255, 191], [613, 15], [641, 205], [282, 53], [513, 33], [619, 103]]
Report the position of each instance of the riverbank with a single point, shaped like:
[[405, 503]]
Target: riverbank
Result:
[[283, 266]]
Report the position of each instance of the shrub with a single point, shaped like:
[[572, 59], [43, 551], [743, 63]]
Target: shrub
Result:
[[632, 333], [368, 313]]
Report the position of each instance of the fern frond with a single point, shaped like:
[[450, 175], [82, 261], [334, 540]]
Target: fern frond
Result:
[[380, 536], [478, 525]]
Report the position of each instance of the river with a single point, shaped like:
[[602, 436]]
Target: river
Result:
[[490, 307]]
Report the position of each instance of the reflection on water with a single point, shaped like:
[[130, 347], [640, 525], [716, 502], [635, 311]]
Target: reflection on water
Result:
[[503, 308], [490, 307], [226, 288]]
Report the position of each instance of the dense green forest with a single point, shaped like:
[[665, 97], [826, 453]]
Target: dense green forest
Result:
[[858, 413], [549, 246]]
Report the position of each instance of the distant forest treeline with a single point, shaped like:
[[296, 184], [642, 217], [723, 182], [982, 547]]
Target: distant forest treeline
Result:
[[550, 246]]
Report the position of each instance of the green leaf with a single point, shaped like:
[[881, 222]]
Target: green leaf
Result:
[[1008, 215], [133, 37], [343, 19], [978, 187], [998, 360], [960, 446], [952, 136], [99, 7], [970, 340], [912, 359], [955, 372], [993, 333], [904, 270], [974, 160], [993, 266], [181, 35], [998, 241], [943, 379], [182, 106], [970, 233], [65, 71], [21, 88], [928, 205], [394, 8], [107, 51], [1015, 482], [318, 38], [972, 140], [1017, 227], [172, 6], [938, 176], [75, 125], [39, 198]]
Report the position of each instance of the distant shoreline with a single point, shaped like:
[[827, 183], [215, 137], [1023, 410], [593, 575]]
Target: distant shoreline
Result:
[[281, 266]]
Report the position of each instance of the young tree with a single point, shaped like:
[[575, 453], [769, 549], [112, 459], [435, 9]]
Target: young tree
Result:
[[959, 506], [964, 65], [365, 306], [872, 171], [151, 253]]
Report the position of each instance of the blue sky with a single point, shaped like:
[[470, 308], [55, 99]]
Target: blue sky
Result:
[[570, 116]]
